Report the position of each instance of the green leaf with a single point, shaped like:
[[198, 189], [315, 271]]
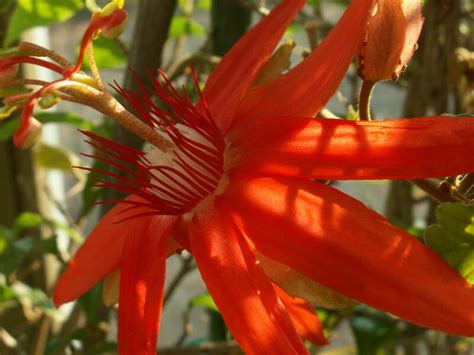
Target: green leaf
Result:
[[186, 7], [8, 128], [5, 236], [91, 5], [372, 333], [203, 4], [71, 232], [107, 54], [31, 13], [64, 117], [453, 237], [28, 220], [17, 250], [14, 254], [36, 298], [184, 26], [91, 194], [91, 302], [203, 301], [6, 293], [53, 157], [4, 5]]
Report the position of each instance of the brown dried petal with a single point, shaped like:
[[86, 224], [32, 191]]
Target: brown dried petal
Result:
[[298, 285]]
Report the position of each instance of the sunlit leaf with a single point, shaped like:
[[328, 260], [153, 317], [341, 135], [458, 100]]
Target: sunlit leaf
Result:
[[54, 157], [64, 117], [107, 54], [31, 13], [453, 237], [35, 297], [184, 26], [28, 220], [203, 301], [6, 293], [203, 4]]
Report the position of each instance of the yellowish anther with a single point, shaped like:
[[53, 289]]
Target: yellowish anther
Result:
[[6, 111], [49, 100]]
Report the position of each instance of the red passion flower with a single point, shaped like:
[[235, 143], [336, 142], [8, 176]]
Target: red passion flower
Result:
[[236, 185]]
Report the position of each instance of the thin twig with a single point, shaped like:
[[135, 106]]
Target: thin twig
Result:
[[191, 60], [187, 266]]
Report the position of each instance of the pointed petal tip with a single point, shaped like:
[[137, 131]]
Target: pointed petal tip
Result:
[[60, 293], [239, 67], [375, 254]]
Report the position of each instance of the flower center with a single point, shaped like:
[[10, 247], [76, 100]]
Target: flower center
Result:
[[173, 178], [174, 181], [183, 176]]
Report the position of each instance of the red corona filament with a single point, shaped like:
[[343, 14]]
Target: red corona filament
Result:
[[172, 182]]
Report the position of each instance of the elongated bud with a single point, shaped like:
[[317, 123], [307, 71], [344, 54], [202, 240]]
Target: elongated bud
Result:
[[28, 136], [391, 40]]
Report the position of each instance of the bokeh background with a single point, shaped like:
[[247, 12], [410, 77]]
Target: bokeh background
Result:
[[47, 206]]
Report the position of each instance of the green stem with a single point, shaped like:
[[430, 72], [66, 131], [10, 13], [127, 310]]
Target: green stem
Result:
[[364, 100]]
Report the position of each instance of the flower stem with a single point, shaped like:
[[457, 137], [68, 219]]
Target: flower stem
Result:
[[364, 100], [466, 184], [93, 66], [109, 106], [438, 190]]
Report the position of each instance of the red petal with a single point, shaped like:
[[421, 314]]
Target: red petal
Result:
[[181, 233], [347, 150], [307, 88], [337, 241], [142, 284], [242, 292], [240, 66], [100, 254], [306, 321]]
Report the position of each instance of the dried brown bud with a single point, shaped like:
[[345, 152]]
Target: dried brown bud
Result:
[[392, 34]]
